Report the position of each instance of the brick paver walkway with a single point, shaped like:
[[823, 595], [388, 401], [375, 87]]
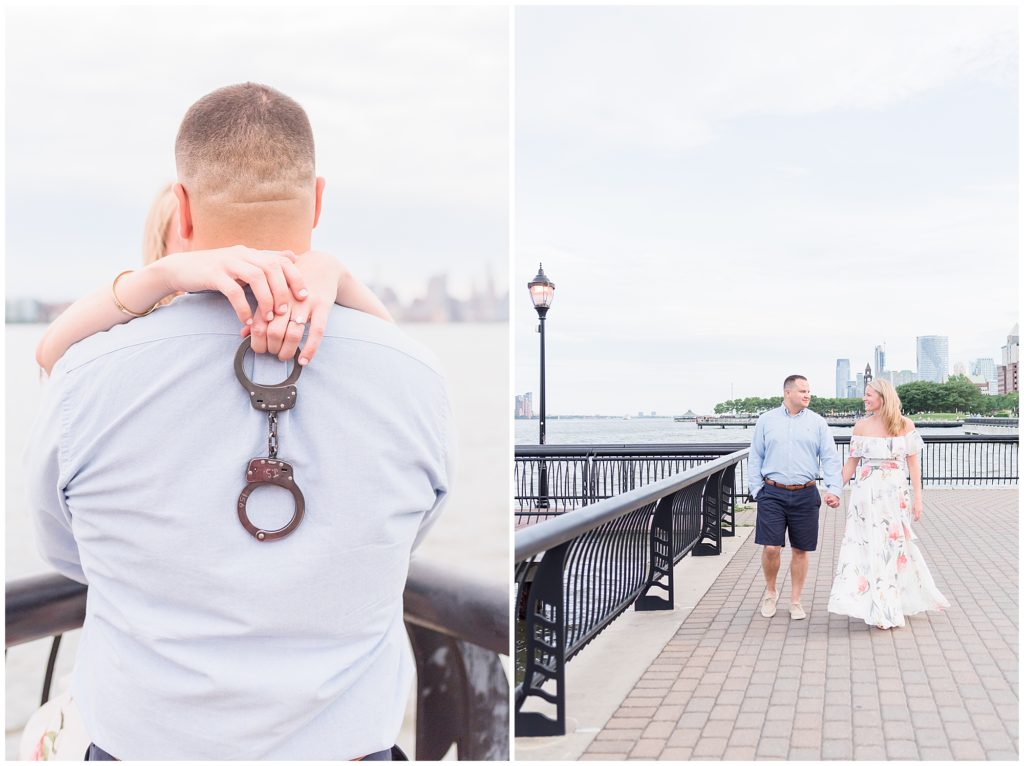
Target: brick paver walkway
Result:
[[734, 685]]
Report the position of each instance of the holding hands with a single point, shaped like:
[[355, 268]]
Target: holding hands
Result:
[[832, 501], [278, 280], [272, 276], [281, 333]]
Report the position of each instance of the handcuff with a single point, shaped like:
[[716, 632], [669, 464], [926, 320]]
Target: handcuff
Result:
[[269, 470]]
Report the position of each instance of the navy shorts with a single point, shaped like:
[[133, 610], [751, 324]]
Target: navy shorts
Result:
[[781, 509]]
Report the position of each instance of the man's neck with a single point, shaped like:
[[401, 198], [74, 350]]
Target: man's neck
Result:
[[793, 409], [298, 242]]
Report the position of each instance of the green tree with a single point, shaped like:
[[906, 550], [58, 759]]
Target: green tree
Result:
[[962, 395]]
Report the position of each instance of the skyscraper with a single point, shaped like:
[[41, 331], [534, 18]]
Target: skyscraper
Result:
[[899, 377], [986, 368], [879, 362], [524, 405], [1007, 372], [842, 377], [933, 358]]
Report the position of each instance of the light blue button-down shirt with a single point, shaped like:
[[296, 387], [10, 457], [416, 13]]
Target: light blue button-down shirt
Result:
[[200, 642], [789, 448]]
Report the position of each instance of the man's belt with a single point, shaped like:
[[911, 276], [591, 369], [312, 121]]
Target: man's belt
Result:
[[791, 487]]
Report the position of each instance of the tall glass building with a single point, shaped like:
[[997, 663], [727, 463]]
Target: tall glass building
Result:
[[842, 377], [986, 368], [933, 358], [879, 368]]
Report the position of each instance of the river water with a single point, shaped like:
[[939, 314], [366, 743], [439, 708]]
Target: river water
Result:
[[652, 431]]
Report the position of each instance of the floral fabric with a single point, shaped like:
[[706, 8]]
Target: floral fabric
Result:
[[881, 576]]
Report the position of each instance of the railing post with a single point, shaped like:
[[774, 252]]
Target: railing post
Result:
[[727, 491], [545, 647], [461, 698], [711, 516], [542, 487], [588, 491], [661, 560]]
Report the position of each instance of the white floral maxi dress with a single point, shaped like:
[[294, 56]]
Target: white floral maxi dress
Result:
[[881, 576]]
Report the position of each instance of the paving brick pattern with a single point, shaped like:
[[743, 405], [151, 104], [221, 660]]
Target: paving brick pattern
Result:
[[734, 685]]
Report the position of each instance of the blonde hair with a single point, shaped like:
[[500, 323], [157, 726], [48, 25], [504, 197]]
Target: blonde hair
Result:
[[890, 413], [165, 205], [246, 143]]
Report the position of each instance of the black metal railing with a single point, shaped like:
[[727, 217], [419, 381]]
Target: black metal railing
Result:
[[457, 626], [579, 475], [579, 571], [962, 459]]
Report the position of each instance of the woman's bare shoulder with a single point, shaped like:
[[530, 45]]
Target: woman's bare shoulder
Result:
[[908, 426], [860, 426]]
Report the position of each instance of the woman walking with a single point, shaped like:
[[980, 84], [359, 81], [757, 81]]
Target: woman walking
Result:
[[881, 576]]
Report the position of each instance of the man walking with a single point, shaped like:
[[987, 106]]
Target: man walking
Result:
[[789, 444], [206, 638]]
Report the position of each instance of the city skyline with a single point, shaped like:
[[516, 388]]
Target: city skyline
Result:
[[433, 303], [856, 383], [677, 173]]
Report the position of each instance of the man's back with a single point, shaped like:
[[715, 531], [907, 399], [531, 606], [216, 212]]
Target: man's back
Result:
[[201, 641]]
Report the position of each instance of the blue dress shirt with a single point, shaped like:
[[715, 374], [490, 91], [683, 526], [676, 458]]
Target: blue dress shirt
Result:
[[200, 642], [789, 448]]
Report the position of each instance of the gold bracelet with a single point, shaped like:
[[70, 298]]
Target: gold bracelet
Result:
[[121, 306]]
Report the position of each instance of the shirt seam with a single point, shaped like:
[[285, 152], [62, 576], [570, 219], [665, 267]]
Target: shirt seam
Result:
[[92, 359]]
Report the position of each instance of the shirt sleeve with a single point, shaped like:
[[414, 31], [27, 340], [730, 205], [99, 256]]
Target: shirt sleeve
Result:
[[831, 465], [755, 459], [914, 442], [447, 466], [46, 479]]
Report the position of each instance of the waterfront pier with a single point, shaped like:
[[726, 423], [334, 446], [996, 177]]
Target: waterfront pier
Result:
[[730, 684], [712, 679]]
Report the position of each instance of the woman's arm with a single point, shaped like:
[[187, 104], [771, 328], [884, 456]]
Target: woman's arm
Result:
[[850, 466], [272, 277], [849, 469], [914, 467]]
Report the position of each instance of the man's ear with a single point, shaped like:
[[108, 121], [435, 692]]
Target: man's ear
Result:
[[184, 212], [320, 183]]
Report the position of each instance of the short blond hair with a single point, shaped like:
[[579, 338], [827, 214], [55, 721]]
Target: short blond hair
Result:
[[154, 243], [246, 142]]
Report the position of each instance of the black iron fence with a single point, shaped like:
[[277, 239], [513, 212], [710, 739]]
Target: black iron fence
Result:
[[457, 626], [985, 460], [576, 573], [578, 475]]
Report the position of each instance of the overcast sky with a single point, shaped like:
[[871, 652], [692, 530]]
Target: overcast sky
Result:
[[726, 196], [409, 109]]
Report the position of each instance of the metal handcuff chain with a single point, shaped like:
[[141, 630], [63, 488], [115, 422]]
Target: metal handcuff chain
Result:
[[269, 470]]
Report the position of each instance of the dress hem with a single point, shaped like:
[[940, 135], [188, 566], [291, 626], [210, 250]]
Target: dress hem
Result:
[[936, 608]]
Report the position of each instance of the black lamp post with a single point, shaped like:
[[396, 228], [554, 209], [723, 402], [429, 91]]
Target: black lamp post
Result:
[[542, 292]]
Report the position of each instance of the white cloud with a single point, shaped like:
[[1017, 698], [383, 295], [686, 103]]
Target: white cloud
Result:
[[743, 192], [671, 77], [409, 107]]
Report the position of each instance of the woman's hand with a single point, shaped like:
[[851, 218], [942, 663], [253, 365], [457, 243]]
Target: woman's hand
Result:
[[282, 334], [917, 508], [272, 276]]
